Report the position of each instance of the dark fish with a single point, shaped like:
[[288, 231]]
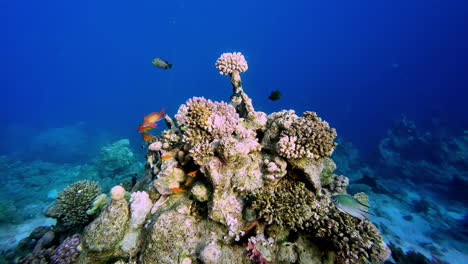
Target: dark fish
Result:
[[134, 179], [275, 95], [161, 63]]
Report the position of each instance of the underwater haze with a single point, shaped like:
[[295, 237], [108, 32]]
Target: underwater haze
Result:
[[391, 77]]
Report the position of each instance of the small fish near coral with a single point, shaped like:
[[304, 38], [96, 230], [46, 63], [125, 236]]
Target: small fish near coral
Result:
[[150, 121], [275, 95], [147, 137], [166, 157], [161, 63], [192, 173], [177, 190], [349, 205]]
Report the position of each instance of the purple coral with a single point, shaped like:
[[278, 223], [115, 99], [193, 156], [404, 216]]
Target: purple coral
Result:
[[67, 252]]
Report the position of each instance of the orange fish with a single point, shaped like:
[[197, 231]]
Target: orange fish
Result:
[[188, 181], [166, 157], [150, 121], [154, 117], [147, 137], [177, 190], [192, 173], [145, 127]]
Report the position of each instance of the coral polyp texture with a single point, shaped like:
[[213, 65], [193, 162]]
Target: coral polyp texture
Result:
[[307, 136], [73, 203], [227, 184], [228, 63]]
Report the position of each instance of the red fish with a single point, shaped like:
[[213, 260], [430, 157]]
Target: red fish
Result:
[[177, 190], [166, 157], [150, 121], [192, 173], [145, 127], [147, 137], [154, 117], [188, 181]]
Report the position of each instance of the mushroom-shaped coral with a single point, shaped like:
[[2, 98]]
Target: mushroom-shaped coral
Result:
[[228, 63], [232, 64]]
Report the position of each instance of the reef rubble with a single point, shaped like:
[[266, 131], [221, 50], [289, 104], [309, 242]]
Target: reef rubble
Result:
[[228, 184]]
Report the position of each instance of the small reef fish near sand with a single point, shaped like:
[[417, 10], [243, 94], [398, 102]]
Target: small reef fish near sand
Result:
[[150, 121], [275, 95], [161, 63], [349, 205]]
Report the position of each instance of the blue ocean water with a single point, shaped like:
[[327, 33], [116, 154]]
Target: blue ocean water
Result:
[[77, 76]]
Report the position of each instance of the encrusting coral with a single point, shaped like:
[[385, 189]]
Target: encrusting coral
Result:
[[228, 184]]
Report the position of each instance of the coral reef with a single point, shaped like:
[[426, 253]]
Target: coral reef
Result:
[[73, 203], [66, 252], [8, 212], [434, 158], [115, 159], [102, 237], [228, 63], [228, 184], [307, 136]]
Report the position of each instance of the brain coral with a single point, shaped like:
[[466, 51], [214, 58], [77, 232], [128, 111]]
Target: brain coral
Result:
[[231, 62], [73, 202], [308, 136]]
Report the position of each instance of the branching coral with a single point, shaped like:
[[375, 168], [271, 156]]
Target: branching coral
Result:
[[307, 136], [233, 64], [339, 183], [202, 153], [205, 120], [352, 239], [290, 204], [73, 202], [228, 63]]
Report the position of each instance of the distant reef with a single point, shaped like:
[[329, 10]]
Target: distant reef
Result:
[[223, 184]]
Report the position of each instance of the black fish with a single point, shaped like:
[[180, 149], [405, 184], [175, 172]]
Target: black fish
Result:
[[275, 95]]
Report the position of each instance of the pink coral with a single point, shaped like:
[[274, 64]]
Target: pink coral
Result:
[[254, 254]]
